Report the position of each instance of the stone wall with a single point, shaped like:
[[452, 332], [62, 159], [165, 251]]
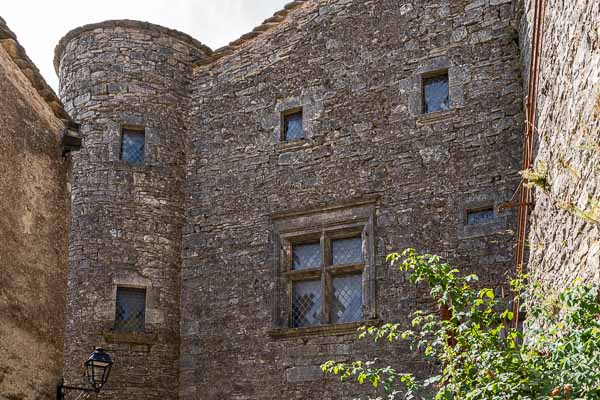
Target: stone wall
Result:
[[355, 67], [34, 210], [564, 234], [127, 219]]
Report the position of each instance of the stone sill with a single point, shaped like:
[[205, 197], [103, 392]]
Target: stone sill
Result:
[[435, 117], [298, 144], [125, 166], [321, 330], [130, 337], [496, 226]]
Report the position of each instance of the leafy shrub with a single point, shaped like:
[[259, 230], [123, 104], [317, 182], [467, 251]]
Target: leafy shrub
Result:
[[479, 353]]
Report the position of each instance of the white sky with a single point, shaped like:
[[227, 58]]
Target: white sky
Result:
[[39, 24]]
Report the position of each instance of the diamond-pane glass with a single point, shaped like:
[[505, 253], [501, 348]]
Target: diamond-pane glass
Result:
[[306, 303], [292, 126], [132, 147], [480, 216], [306, 256], [436, 94], [131, 310], [347, 299], [347, 251]]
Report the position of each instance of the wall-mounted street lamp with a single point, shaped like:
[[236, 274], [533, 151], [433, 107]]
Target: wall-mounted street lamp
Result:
[[97, 369]]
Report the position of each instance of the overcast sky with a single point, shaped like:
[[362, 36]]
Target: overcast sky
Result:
[[39, 24]]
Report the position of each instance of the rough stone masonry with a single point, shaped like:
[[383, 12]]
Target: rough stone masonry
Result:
[[34, 215], [205, 224], [564, 237]]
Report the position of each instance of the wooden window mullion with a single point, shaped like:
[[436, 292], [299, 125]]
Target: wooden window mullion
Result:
[[326, 278]]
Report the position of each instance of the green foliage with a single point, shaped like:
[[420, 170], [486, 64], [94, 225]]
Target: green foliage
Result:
[[479, 353], [537, 176]]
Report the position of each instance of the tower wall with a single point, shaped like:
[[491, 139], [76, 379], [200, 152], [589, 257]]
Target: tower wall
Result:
[[126, 219]]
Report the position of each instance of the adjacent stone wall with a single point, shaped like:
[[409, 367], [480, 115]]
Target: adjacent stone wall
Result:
[[564, 235], [127, 220], [356, 69], [34, 211]]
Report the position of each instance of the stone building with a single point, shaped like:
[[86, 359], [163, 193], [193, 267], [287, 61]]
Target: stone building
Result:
[[564, 231], [232, 209], [35, 136]]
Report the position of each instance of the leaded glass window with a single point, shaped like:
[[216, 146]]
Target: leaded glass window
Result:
[[347, 298], [347, 251], [436, 95], [483, 216], [306, 303], [131, 310], [306, 256], [326, 279], [132, 146], [293, 128]]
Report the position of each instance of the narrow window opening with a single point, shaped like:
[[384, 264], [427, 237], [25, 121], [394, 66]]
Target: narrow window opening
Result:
[[131, 310], [436, 95], [292, 122], [132, 146], [480, 216]]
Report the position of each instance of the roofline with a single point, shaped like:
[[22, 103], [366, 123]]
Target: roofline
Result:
[[125, 23], [272, 22]]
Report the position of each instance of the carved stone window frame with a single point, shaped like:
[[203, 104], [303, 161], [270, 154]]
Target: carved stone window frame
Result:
[[113, 137], [481, 201], [323, 224], [411, 89], [153, 315]]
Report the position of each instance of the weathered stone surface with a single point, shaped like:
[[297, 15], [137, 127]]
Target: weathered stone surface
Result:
[[357, 67], [564, 239], [34, 207], [195, 224]]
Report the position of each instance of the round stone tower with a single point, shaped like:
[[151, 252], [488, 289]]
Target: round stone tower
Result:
[[126, 83]]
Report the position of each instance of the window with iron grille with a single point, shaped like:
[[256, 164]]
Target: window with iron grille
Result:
[[132, 146], [436, 93], [293, 127], [131, 310], [326, 279]]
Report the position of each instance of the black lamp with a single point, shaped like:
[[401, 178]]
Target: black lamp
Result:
[[97, 370]]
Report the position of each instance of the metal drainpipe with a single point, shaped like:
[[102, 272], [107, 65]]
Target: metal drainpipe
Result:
[[526, 196]]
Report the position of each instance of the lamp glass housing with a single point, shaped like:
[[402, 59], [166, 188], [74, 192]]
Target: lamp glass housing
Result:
[[97, 368]]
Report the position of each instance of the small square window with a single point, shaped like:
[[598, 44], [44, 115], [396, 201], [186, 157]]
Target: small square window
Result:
[[436, 95], [481, 216], [292, 125], [131, 310], [132, 146]]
